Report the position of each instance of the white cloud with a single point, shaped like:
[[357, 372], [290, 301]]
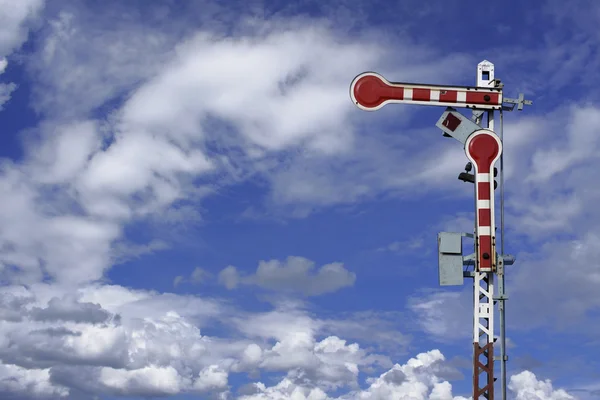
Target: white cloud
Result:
[[150, 350], [124, 251], [416, 379], [63, 152], [42, 238], [83, 180], [419, 378], [311, 62], [229, 277], [257, 84], [16, 382], [386, 330], [178, 280], [68, 309], [444, 315], [293, 275], [147, 381], [285, 389], [578, 283], [211, 378], [13, 23], [5, 92], [526, 386], [403, 246], [66, 68], [13, 33], [197, 276]]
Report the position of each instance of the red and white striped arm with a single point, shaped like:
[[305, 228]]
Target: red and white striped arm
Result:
[[483, 149], [371, 91]]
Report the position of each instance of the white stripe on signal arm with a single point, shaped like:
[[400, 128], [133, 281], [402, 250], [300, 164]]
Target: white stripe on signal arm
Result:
[[484, 230], [483, 204], [483, 177]]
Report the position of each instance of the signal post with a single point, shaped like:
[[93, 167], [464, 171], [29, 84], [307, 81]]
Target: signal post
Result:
[[483, 147]]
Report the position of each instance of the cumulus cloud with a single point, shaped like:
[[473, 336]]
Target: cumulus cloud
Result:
[[211, 378], [68, 309], [17, 382], [526, 386], [156, 347], [146, 381], [417, 379], [295, 274], [149, 351]]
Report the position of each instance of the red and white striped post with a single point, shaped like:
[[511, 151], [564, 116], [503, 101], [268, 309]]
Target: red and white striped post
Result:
[[483, 148]]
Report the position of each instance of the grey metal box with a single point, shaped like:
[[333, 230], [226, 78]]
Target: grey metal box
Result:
[[450, 262], [450, 242], [450, 269]]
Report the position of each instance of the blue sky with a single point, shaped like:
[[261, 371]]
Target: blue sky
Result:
[[193, 208]]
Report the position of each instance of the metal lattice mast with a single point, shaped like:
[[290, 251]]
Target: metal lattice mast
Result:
[[484, 148]]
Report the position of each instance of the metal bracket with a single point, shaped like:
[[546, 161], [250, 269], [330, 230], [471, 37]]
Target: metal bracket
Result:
[[519, 103], [507, 259], [477, 116], [469, 259]]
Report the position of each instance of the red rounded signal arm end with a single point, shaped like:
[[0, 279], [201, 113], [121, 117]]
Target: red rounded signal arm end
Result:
[[371, 91], [484, 149]]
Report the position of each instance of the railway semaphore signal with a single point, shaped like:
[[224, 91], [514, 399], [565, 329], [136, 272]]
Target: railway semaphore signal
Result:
[[483, 147]]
